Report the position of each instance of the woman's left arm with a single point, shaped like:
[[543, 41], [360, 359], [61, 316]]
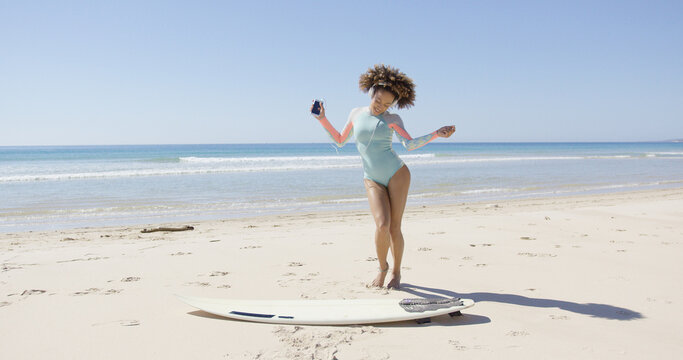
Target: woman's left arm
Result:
[[408, 142]]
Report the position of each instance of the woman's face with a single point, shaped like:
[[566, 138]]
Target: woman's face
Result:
[[381, 101]]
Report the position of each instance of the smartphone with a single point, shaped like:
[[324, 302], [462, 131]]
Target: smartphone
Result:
[[316, 107]]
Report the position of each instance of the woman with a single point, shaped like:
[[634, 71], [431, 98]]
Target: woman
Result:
[[386, 177]]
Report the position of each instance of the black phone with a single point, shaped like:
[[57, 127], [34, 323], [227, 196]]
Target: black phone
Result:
[[316, 107]]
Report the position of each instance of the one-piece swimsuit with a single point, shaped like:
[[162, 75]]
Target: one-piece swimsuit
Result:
[[374, 134]]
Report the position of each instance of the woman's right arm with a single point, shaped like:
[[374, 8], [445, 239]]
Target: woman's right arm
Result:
[[339, 139]]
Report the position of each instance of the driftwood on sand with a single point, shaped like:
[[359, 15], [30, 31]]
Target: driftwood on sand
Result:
[[183, 228]]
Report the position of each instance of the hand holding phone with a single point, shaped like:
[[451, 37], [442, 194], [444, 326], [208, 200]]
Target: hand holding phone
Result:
[[318, 109]]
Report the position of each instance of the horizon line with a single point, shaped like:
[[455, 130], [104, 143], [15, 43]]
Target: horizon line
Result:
[[305, 143]]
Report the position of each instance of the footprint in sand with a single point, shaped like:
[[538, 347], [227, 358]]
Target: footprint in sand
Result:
[[314, 343], [424, 249], [180, 253], [130, 279], [219, 273], [85, 259], [73, 239], [96, 290], [309, 277], [198, 283], [33, 292], [295, 264], [86, 292], [8, 267], [517, 333], [559, 317], [250, 247], [129, 322], [119, 322], [457, 346], [5, 303], [536, 254]]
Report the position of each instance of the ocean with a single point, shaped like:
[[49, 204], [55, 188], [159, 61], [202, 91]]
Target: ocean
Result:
[[61, 187]]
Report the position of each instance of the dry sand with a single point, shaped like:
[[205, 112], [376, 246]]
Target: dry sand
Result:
[[579, 277]]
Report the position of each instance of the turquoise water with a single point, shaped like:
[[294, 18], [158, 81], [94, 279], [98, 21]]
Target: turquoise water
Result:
[[74, 186]]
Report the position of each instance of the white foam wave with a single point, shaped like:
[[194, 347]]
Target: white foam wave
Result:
[[456, 160], [484, 191], [218, 165], [610, 157], [664, 153], [169, 172], [241, 160]]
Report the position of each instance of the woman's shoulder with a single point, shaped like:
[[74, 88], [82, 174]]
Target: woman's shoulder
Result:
[[391, 118], [357, 111], [360, 109]]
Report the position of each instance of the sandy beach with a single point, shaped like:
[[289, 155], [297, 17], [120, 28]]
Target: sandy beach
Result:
[[565, 277]]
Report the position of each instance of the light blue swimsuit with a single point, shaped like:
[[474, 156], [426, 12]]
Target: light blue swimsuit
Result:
[[373, 140]]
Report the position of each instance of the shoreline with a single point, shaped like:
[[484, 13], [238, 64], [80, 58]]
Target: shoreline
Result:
[[562, 277], [535, 201]]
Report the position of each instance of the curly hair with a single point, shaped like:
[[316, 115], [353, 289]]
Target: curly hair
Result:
[[391, 79]]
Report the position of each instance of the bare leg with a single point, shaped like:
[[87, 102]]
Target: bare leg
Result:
[[398, 196], [378, 197]]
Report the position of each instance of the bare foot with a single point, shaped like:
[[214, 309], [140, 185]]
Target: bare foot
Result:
[[379, 280], [395, 281]]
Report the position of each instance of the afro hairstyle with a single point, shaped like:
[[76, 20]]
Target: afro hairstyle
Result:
[[389, 78]]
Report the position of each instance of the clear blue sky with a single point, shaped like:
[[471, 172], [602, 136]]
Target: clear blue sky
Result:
[[158, 72]]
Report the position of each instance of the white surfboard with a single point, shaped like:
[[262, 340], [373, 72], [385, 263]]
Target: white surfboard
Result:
[[330, 312]]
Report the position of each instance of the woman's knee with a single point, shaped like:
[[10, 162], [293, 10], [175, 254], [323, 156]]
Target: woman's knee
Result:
[[395, 231], [384, 225]]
